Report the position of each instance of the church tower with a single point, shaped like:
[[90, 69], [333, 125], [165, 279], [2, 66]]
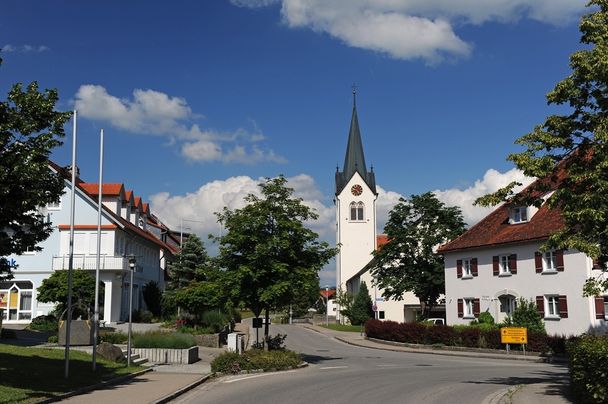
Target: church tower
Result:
[[355, 208]]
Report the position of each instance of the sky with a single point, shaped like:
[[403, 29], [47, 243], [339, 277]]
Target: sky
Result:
[[200, 100]]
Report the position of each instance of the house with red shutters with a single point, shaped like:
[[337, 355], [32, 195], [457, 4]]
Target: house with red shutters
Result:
[[499, 260]]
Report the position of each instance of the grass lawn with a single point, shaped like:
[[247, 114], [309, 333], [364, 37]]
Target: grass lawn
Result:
[[343, 327], [32, 374]]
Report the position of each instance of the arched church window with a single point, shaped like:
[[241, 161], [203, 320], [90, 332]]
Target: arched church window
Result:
[[357, 211]]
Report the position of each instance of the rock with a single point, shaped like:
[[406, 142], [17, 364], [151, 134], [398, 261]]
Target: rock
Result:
[[110, 352]]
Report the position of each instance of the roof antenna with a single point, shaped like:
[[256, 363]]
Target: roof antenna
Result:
[[354, 87]]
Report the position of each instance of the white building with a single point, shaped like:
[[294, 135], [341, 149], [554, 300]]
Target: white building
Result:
[[356, 230], [498, 261], [125, 221]]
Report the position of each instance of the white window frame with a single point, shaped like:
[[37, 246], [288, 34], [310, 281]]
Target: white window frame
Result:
[[552, 306], [467, 307], [356, 212], [503, 265], [467, 271], [519, 214], [54, 206], [550, 261], [605, 307], [29, 250]]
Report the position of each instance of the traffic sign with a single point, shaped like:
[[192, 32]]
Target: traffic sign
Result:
[[374, 307], [514, 335]]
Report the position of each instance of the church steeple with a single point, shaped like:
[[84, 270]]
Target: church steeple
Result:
[[354, 160]]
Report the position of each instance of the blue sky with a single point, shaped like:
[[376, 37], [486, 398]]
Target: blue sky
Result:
[[200, 99]]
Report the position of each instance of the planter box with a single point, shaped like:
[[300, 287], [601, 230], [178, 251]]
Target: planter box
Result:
[[165, 355], [208, 340]]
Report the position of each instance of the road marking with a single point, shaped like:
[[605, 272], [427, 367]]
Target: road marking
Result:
[[387, 366], [333, 367], [255, 376]]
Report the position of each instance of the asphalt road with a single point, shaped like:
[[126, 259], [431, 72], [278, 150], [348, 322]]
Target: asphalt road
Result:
[[341, 373]]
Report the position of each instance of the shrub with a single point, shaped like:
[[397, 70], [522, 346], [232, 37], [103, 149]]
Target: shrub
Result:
[[53, 339], [588, 362], [152, 296], [440, 334], [114, 337], [158, 339], [231, 362], [485, 318], [489, 338], [214, 320], [526, 315], [361, 309], [142, 316], [276, 343], [469, 337], [44, 323]]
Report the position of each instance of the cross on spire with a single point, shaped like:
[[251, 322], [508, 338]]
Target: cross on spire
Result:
[[354, 87]]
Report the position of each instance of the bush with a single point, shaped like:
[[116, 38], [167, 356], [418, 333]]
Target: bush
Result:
[[45, 323], [276, 343], [214, 320], [485, 318], [114, 337], [361, 309], [142, 316], [588, 363], [231, 362], [53, 339], [158, 339], [153, 297], [526, 315], [440, 334]]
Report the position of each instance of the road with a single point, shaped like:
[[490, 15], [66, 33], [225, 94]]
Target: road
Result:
[[341, 373]]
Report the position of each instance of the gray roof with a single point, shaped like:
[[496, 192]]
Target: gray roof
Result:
[[354, 161]]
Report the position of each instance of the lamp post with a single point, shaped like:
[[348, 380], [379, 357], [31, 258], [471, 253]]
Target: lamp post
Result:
[[327, 305], [132, 262]]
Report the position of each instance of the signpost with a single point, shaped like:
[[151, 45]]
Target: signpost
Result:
[[514, 335]]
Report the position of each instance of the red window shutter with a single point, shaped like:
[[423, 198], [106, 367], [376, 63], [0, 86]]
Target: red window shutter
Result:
[[600, 313], [513, 263], [474, 267], [460, 311], [563, 306], [538, 261], [476, 307], [559, 258], [459, 268], [495, 269], [540, 305]]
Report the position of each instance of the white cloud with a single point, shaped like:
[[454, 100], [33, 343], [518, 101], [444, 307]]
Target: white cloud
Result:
[[491, 181], [413, 29], [24, 48], [154, 112]]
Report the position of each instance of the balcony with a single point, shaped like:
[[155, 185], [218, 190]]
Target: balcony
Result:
[[106, 263]]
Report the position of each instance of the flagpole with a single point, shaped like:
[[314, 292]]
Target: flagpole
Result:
[[99, 204], [71, 252]]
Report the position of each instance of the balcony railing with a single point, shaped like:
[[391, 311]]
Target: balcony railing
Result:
[[107, 263]]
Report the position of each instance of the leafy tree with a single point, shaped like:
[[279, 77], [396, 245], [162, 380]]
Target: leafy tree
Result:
[[190, 264], [345, 301], [54, 289], [269, 255], [361, 309], [526, 315], [152, 297], [571, 150], [29, 128], [409, 262]]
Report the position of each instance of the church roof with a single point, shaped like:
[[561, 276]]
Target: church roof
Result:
[[354, 161]]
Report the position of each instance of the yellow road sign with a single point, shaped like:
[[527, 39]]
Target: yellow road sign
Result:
[[514, 335]]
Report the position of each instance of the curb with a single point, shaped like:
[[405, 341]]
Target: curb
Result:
[[96, 386], [182, 390]]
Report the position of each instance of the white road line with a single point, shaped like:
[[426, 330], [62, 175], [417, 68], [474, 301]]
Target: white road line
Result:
[[255, 376], [333, 367], [387, 366]]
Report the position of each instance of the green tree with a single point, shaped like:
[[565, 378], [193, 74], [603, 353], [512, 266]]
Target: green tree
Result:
[[526, 315], [409, 262], [190, 263], [54, 289], [344, 301], [29, 129], [571, 150], [152, 297], [269, 255], [361, 309]]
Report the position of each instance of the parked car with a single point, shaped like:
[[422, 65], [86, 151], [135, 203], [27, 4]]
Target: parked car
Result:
[[436, 321]]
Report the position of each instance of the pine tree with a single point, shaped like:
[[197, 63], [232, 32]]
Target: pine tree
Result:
[[190, 264], [362, 308]]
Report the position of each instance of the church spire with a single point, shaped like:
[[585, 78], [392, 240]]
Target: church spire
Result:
[[354, 160]]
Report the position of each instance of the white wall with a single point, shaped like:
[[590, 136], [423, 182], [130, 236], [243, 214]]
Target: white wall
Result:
[[526, 283]]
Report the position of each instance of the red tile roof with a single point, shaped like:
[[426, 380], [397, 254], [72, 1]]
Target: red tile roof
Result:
[[381, 239], [106, 189], [128, 195]]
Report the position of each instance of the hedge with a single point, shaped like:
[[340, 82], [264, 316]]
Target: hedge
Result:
[[255, 359], [589, 368], [473, 336]]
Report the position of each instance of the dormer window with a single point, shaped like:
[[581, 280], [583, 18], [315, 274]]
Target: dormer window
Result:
[[519, 214]]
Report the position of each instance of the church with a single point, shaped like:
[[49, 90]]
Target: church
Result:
[[356, 231]]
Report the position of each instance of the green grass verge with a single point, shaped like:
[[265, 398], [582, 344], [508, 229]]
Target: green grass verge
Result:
[[343, 327], [32, 374]]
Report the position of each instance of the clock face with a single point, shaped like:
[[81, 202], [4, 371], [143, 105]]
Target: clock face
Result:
[[356, 190]]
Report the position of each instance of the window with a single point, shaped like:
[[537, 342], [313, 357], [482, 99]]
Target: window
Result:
[[466, 268], [356, 211], [519, 214], [381, 315], [551, 306], [16, 300], [549, 261], [468, 308], [503, 264], [54, 205]]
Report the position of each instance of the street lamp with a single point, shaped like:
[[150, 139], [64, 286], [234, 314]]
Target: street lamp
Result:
[[132, 262], [327, 305]]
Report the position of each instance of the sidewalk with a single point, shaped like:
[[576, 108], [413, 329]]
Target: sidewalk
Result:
[[539, 393]]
